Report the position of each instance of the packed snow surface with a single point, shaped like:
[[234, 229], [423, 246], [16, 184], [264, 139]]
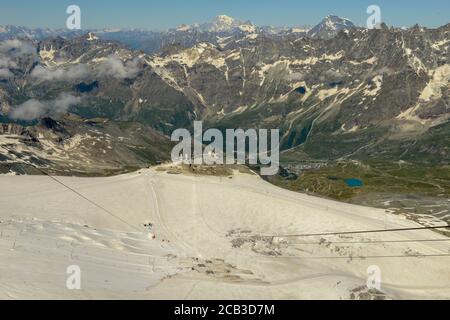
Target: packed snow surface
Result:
[[205, 238]]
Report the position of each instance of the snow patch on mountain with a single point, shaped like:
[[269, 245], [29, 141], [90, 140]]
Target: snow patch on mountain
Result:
[[440, 79]]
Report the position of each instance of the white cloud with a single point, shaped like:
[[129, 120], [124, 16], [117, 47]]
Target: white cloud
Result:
[[65, 101], [17, 48], [6, 62], [5, 73], [11, 50], [29, 110], [114, 67], [33, 108], [111, 67], [75, 72]]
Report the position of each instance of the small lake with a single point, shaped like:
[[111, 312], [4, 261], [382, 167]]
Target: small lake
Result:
[[354, 183], [301, 90]]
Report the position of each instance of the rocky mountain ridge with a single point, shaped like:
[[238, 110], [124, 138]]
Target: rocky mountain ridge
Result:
[[380, 93]]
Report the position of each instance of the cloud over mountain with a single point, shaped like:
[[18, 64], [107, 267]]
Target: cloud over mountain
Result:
[[33, 108], [75, 72], [10, 51], [114, 67]]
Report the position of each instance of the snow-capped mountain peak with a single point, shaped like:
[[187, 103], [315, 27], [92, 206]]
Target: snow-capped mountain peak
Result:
[[337, 23], [224, 23], [224, 20], [221, 23], [330, 27]]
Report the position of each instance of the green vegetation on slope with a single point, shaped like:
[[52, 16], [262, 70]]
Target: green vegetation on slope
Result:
[[377, 176]]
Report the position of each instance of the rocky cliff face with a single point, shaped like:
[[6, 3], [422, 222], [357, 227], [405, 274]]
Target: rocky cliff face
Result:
[[358, 94], [72, 145]]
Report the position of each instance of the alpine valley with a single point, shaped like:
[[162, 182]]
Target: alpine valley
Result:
[[347, 100], [92, 208]]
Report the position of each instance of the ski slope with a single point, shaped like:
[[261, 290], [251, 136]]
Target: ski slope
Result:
[[211, 238]]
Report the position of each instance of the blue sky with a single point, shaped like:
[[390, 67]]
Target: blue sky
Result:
[[163, 14]]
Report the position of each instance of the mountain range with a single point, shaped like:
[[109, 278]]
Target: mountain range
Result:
[[188, 35], [336, 91]]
